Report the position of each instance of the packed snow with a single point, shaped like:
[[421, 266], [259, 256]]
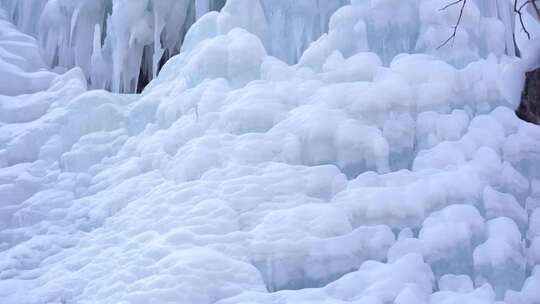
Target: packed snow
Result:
[[287, 152]]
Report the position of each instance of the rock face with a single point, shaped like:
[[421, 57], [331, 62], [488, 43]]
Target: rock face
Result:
[[529, 108]]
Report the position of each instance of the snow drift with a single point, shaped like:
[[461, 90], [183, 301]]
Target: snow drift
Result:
[[378, 168]]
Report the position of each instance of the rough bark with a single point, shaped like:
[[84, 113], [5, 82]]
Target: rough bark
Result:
[[529, 108]]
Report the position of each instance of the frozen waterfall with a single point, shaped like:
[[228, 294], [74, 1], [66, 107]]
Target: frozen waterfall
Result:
[[121, 44], [282, 151]]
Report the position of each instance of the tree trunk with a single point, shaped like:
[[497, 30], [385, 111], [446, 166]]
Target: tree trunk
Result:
[[529, 108]]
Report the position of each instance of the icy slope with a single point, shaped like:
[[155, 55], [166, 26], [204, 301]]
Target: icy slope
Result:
[[23, 69], [350, 177]]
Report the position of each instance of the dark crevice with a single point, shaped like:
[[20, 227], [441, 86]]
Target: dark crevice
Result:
[[145, 76]]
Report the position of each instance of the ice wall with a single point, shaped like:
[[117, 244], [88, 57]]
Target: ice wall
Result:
[[121, 45], [413, 26], [129, 38], [23, 69]]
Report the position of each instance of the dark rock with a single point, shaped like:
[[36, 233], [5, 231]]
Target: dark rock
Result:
[[529, 108]]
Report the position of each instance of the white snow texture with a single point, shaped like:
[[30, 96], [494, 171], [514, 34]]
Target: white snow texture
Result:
[[289, 151]]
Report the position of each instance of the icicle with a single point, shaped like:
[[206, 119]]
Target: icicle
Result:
[[159, 25], [100, 70], [506, 15], [202, 7]]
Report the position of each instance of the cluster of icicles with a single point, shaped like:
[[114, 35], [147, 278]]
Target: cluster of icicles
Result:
[[122, 44]]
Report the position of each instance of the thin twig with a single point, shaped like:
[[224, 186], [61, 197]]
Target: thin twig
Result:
[[517, 11], [520, 15], [451, 4], [453, 36]]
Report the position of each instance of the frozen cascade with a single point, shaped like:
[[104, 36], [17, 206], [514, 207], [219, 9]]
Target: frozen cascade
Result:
[[138, 35], [369, 166], [145, 29]]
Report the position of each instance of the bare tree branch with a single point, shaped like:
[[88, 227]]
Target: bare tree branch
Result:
[[453, 36], [520, 14], [517, 10], [451, 4]]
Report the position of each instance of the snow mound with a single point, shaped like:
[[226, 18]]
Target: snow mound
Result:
[[361, 174], [23, 69]]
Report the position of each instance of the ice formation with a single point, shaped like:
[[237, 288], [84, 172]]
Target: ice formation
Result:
[[132, 38], [291, 152]]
